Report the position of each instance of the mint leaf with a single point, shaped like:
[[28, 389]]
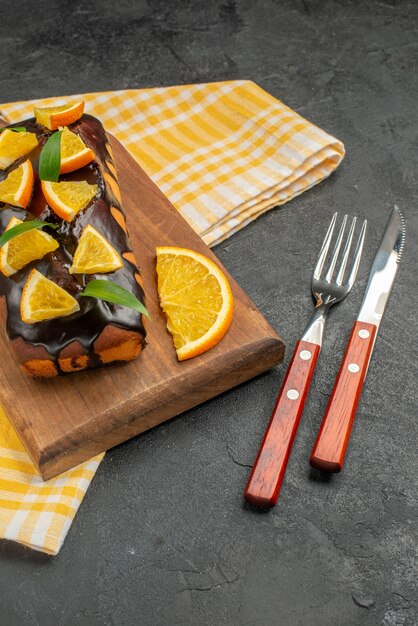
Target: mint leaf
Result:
[[23, 228], [111, 292], [50, 159], [17, 129]]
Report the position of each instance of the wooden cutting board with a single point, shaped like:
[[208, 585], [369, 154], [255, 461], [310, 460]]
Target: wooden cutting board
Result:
[[66, 420]]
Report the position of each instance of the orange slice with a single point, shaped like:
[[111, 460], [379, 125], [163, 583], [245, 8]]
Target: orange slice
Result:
[[54, 117], [14, 145], [24, 248], [196, 298], [17, 188], [68, 198], [42, 300], [74, 152], [94, 254]]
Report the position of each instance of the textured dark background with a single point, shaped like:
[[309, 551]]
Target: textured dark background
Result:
[[163, 537]]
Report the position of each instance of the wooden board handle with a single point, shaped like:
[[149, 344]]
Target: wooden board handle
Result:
[[331, 444], [270, 465]]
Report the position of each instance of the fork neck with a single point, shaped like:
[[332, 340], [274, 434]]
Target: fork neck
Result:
[[315, 327]]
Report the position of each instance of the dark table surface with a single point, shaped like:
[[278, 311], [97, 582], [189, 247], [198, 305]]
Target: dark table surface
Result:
[[163, 536]]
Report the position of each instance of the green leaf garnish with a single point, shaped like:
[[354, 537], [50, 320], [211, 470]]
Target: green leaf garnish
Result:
[[50, 159], [17, 129], [23, 228], [111, 292]]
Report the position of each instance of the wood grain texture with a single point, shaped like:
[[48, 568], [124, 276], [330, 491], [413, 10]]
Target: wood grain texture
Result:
[[331, 444], [66, 420], [266, 477]]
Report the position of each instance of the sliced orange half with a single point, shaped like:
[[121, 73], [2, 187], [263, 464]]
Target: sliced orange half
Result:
[[42, 300], [15, 145], [74, 152], [54, 117], [24, 248], [68, 198], [17, 188], [94, 254], [196, 297]]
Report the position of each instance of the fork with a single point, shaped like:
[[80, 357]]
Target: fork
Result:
[[270, 465]]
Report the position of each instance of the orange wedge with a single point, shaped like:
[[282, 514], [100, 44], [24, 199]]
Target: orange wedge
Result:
[[42, 300], [17, 188], [54, 117], [196, 298], [14, 145], [24, 248], [68, 198], [74, 152], [94, 254]]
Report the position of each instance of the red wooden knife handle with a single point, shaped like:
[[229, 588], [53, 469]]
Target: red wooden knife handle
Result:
[[331, 444], [270, 465]]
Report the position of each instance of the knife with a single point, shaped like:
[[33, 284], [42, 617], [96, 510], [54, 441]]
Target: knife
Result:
[[331, 444]]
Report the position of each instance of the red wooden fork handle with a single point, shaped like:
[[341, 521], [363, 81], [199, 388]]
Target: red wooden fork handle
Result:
[[267, 474], [331, 444]]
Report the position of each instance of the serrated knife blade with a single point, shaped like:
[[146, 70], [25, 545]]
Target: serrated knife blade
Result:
[[384, 269]]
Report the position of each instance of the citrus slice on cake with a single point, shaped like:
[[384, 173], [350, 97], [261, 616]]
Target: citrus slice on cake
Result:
[[74, 152], [68, 198], [15, 145], [42, 299], [94, 254], [196, 297], [56, 116], [17, 188], [24, 248]]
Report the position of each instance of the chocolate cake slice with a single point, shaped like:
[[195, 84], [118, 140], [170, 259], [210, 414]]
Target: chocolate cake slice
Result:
[[100, 332]]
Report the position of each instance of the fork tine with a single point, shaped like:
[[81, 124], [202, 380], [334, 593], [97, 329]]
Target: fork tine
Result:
[[325, 248], [346, 252], [357, 256], [336, 251]]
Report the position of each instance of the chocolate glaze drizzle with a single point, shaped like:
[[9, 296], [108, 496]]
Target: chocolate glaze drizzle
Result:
[[87, 324]]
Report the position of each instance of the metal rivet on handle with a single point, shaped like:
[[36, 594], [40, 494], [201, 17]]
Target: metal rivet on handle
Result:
[[363, 333], [292, 394], [353, 368], [305, 355]]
